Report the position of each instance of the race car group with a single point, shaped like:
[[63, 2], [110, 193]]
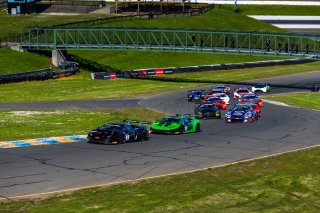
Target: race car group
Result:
[[209, 105]]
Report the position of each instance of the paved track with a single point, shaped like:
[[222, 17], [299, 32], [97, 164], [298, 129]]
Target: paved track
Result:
[[48, 168]]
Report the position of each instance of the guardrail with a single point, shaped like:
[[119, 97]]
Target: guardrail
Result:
[[202, 68], [37, 75]]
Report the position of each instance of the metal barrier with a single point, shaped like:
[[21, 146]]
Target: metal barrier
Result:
[[176, 40], [37, 75]]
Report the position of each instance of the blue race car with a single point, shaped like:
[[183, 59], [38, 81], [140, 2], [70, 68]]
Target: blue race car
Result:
[[207, 110], [195, 95], [241, 112]]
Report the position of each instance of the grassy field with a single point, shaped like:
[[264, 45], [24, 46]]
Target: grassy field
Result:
[[14, 24], [277, 10], [306, 100], [81, 87], [285, 183], [243, 74], [221, 19], [13, 61], [126, 60], [34, 124]]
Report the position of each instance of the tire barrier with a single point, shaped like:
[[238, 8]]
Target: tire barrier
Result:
[[38, 75]]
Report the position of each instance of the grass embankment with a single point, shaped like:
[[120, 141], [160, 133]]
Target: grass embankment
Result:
[[218, 19], [241, 74], [82, 88], [13, 61], [16, 125], [14, 24], [277, 10], [126, 60], [285, 183], [301, 99]]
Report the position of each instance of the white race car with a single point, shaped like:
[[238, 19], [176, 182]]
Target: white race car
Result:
[[261, 88], [223, 96], [241, 91]]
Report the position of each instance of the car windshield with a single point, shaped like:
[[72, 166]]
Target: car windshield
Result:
[[241, 108], [219, 87], [216, 91], [206, 106], [171, 119], [213, 99], [260, 85], [196, 93], [242, 91], [249, 96], [112, 127]]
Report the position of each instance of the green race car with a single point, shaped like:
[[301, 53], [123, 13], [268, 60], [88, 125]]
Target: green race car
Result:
[[179, 124]]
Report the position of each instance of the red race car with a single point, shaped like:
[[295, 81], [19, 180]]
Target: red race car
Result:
[[217, 102], [251, 98], [256, 108]]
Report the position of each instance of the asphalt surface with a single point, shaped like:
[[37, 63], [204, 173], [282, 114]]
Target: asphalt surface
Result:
[[39, 169]]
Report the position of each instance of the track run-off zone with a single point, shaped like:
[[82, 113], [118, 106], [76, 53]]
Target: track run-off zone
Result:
[[65, 166]]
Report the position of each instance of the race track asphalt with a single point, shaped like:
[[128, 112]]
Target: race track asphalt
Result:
[[40, 169]]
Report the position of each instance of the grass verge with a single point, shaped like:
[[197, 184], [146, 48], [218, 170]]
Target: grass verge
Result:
[[137, 60], [13, 61], [81, 87], [218, 18], [241, 74], [16, 125], [14, 24], [284, 183], [309, 100]]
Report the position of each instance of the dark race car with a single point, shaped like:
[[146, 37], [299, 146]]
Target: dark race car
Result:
[[195, 95], [115, 133], [207, 110], [241, 112], [251, 98], [217, 101], [225, 88]]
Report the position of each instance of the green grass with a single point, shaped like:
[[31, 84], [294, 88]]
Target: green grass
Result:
[[242, 74], [16, 125], [82, 88], [278, 10], [218, 19], [305, 100], [285, 183], [126, 60], [14, 24], [13, 61]]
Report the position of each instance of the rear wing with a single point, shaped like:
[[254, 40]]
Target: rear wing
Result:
[[137, 122]]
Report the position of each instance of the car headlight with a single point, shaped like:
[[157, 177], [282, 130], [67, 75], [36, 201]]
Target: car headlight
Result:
[[247, 115]]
